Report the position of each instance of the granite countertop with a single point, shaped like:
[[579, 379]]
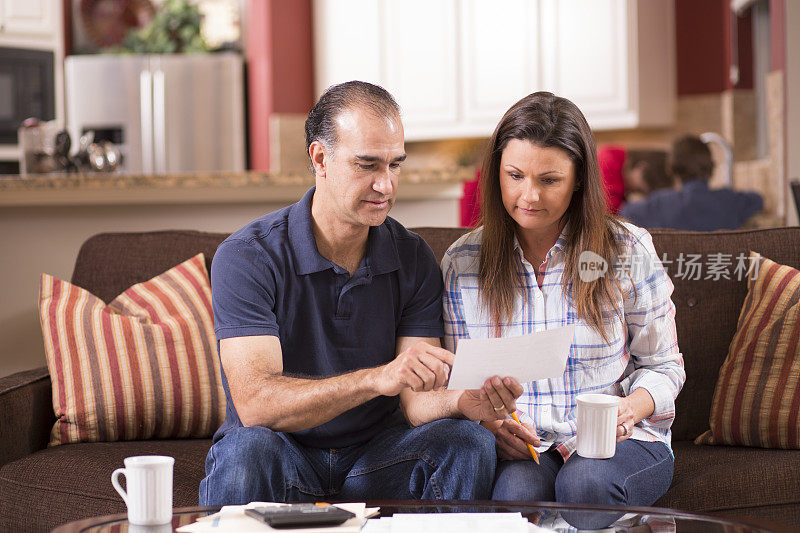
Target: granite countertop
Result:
[[102, 180], [117, 188]]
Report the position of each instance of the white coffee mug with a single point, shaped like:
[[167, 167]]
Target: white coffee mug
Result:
[[597, 425], [148, 479]]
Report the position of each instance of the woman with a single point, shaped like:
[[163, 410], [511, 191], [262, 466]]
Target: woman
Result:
[[543, 206]]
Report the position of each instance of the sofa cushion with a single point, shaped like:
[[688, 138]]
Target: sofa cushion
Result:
[[735, 481], [73, 481], [757, 397], [145, 366]]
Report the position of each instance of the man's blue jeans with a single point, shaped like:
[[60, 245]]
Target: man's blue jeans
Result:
[[445, 459]]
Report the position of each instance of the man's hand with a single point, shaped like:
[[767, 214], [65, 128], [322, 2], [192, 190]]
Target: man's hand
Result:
[[422, 367], [512, 437], [494, 401]]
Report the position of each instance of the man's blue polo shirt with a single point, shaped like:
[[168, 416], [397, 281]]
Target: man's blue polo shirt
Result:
[[268, 278], [694, 207]]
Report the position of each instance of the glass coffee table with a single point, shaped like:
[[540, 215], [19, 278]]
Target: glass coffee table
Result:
[[552, 516]]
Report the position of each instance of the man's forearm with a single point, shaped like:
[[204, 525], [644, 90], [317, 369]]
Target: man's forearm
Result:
[[287, 404], [477, 404], [423, 407]]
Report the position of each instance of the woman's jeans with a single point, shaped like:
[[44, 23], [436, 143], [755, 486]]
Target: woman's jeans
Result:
[[638, 474], [446, 459]]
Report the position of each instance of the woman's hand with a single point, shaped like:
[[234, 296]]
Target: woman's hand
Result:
[[494, 401], [633, 409], [511, 438], [626, 419]]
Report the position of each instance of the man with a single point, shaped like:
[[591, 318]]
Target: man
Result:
[[694, 206], [328, 319], [630, 174]]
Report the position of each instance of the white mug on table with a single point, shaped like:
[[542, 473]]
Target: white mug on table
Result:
[[597, 425], [148, 479]]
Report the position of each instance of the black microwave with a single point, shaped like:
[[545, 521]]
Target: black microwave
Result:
[[27, 89]]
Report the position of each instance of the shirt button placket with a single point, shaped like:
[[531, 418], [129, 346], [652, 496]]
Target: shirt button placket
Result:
[[342, 308], [546, 420], [537, 317], [540, 318]]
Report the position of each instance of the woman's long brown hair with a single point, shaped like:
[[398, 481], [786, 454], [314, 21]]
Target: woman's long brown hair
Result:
[[547, 120]]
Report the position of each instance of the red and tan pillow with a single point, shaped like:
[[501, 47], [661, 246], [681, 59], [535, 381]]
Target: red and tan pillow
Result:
[[143, 367], [757, 397]]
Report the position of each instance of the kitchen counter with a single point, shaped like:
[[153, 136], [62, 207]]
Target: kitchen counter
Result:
[[220, 187]]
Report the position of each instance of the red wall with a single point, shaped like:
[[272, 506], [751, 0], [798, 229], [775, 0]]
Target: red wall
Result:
[[777, 33], [745, 38], [703, 40], [66, 9], [292, 55], [279, 66]]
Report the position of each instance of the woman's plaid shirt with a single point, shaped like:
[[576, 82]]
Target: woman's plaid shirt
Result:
[[642, 351]]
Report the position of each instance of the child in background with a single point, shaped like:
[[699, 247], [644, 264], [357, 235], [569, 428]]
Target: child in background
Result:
[[631, 174]]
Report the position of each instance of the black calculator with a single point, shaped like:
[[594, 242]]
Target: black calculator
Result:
[[300, 515]]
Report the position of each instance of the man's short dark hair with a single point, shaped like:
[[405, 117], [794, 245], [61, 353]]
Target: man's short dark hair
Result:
[[654, 171], [691, 159], [320, 124]]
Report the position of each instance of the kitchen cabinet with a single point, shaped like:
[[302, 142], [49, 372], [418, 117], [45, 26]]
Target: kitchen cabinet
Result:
[[427, 53], [614, 58], [499, 59], [455, 66], [28, 17]]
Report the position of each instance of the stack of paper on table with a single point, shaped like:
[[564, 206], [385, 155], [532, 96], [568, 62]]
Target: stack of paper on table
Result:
[[233, 518], [452, 523]]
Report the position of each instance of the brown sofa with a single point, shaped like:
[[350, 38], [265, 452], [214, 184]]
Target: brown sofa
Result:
[[41, 487]]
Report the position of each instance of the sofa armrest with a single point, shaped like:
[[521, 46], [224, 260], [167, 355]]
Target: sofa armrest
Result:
[[26, 413]]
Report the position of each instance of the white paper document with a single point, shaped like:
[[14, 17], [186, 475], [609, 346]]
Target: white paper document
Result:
[[540, 355]]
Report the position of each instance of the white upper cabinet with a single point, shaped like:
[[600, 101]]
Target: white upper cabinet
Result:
[[499, 59], [420, 43], [455, 66], [347, 36], [28, 17], [587, 54], [614, 58]]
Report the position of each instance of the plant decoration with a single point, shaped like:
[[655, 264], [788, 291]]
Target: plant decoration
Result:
[[175, 29]]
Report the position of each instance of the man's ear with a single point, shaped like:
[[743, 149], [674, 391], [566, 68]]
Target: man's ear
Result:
[[319, 158]]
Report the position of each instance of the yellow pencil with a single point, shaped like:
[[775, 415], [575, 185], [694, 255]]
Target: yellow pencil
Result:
[[530, 448]]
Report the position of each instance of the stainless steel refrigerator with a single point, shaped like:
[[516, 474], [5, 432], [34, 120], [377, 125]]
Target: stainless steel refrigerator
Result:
[[167, 113]]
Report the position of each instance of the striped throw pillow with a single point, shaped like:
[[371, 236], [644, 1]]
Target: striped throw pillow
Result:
[[144, 366], [757, 397]]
